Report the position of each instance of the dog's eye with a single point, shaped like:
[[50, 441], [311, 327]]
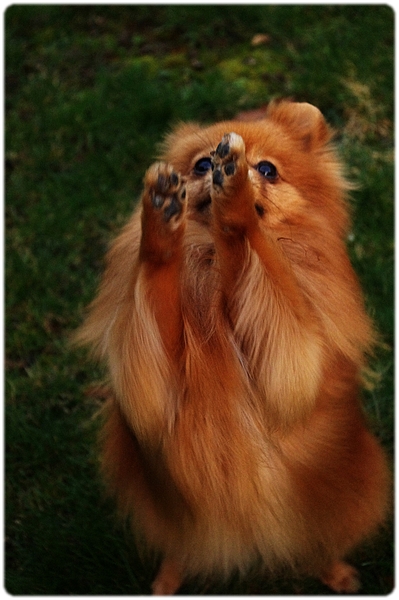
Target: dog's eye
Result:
[[268, 170], [203, 165]]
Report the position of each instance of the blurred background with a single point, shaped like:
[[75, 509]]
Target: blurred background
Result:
[[90, 91]]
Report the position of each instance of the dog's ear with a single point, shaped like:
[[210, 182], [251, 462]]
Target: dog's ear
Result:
[[303, 121]]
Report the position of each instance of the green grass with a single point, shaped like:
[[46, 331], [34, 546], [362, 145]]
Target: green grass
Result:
[[90, 90]]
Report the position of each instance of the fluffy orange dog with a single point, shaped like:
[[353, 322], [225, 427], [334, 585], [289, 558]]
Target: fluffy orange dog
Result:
[[233, 329]]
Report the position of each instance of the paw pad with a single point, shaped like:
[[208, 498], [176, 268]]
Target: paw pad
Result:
[[230, 168], [166, 190], [223, 148]]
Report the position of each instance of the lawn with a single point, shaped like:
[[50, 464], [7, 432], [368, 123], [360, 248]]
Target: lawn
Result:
[[90, 91]]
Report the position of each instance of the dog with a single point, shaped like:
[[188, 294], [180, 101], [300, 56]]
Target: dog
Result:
[[233, 330]]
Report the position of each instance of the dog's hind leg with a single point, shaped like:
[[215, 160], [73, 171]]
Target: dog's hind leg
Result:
[[342, 578], [168, 579]]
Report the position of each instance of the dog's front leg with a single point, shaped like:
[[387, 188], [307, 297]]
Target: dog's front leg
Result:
[[237, 223], [163, 225], [145, 338], [271, 318]]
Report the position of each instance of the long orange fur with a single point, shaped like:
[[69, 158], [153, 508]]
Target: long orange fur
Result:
[[234, 334]]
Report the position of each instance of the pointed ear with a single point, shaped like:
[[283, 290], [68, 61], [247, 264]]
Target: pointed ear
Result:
[[303, 121]]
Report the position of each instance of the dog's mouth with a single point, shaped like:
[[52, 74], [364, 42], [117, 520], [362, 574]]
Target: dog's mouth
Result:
[[203, 204]]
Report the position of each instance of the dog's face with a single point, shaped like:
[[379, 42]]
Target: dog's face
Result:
[[290, 165]]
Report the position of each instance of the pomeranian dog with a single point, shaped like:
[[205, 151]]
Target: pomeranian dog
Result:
[[233, 329]]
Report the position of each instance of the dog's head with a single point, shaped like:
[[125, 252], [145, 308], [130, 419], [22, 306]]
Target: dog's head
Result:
[[291, 164]]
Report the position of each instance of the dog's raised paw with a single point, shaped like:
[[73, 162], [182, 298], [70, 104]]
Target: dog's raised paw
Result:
[[228, 160], [165, 192]]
